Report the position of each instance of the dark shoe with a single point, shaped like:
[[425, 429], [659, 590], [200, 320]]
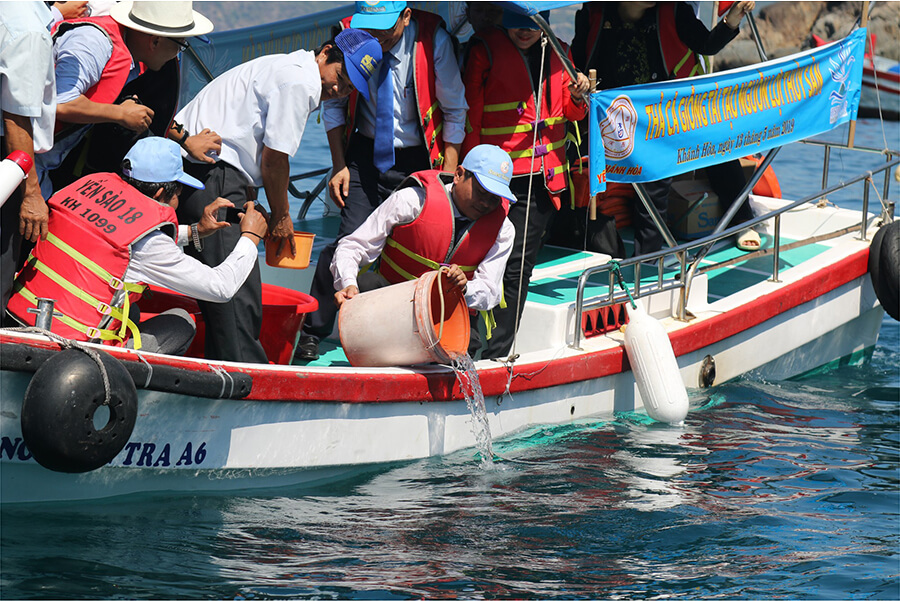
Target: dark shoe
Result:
[[307, 348]]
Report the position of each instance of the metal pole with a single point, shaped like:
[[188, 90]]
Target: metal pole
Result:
[[865, 209], [825, 166], [745, 193], [851, 133], [759, 47], [777, 249], [654, 215]]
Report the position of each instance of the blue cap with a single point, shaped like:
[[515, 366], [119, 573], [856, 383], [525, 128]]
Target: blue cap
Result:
[[513, 20], [376, 15], [158, 160], [362, 53], [492, 168]]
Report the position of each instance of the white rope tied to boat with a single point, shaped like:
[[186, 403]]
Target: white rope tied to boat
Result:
[[72, 344], [226, 379], [149, 368], [537, 117]]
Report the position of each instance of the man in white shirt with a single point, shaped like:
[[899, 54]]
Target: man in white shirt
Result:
[[260, 109], [413, 119], [28, 107], [153, 167], [454, 222]]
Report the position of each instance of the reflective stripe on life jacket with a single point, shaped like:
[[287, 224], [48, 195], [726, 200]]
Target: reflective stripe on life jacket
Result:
[[81, 264], [426, 243], [431, 117], [115, 72], [509, 118], [679, 60]]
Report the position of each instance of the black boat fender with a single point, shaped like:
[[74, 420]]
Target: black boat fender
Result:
[[58, 411], [884, 267]]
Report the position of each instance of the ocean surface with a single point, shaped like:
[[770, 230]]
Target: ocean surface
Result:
[[771, 489]]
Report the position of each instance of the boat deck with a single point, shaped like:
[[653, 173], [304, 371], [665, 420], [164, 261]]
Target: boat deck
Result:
[[554, 282]]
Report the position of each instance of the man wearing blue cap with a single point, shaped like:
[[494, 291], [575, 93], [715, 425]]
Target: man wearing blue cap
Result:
[[439, 220], [109, 237], [260, 110], [413, 120]]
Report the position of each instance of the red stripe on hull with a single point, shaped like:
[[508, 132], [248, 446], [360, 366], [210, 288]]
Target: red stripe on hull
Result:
[[287, 385]]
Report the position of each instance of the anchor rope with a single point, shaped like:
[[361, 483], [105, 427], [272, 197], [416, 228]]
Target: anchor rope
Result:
[[537, 117], [226, 379], [72, 344]]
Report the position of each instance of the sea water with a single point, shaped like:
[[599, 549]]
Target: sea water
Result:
[[771, 489]]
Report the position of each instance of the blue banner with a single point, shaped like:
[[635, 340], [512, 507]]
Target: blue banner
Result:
[[649, 132]]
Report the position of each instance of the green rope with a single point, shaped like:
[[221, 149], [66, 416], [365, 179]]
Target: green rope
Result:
[[618, 271]]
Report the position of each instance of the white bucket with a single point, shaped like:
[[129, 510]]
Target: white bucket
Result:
[[405, 324]]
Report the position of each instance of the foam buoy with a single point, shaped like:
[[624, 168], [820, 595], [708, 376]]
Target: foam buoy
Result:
[[884, 267], [58, 412], [13, 171], [654, 367]]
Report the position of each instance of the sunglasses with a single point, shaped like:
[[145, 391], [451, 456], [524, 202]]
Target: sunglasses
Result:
[[182, 44]]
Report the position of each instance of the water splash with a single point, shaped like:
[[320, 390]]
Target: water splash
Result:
[[470, 385]]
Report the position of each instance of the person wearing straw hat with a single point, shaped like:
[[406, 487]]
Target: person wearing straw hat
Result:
[[110, 236], [260, 109], [437, 220], [96, 57]]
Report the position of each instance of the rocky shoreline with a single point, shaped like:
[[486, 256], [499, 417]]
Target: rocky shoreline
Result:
[[787, 27]]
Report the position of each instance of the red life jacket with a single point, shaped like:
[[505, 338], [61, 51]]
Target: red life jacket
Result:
[[431, 117], [680, 61], [93, 224], [509, 112], [115, 73], [427, 242]]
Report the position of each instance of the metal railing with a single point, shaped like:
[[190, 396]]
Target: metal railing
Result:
[[690, 265]]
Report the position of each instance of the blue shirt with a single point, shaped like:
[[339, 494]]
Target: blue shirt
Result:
[[451, 95], [81, 55]]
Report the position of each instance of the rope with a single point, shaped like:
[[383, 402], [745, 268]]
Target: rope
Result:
[[618, 271], [149, 369], [537, 117], [226, 379], [72, 344], [442, 270]]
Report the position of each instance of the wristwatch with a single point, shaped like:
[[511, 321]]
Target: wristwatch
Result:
[[195, 237]]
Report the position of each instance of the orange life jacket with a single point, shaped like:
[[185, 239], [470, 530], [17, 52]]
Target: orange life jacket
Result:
[[680, 61], [93, 224], [509, 112], [115, 73], [431, 117], [426, 243]]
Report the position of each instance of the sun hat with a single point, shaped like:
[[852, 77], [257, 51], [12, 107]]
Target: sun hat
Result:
[[165, 19], [158, 160], [513, 20], [362, 53], [492, 168], [376, 15]]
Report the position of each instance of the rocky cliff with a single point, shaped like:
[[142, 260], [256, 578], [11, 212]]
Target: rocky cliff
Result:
[[786, 28]]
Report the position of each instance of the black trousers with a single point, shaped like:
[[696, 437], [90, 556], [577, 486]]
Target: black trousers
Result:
[[232, 328], [541, 217], [368, 189]]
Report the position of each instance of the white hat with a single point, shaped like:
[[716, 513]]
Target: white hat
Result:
[[166, 19]]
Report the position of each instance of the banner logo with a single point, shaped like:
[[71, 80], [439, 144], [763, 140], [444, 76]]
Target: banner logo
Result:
[[618, 128]]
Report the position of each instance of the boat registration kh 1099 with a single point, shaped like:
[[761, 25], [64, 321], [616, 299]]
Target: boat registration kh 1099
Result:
[[138, 454]]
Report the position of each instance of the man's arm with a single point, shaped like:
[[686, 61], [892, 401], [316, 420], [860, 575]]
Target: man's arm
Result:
[[276, 171], [451, 96], [33, 214], [129, 114]]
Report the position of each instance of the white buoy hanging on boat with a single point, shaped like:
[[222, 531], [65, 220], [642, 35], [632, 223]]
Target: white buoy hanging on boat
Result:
[[654, 367], [13, 171]]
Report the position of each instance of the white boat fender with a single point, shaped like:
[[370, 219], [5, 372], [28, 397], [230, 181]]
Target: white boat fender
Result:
[[13, 171], [654, 366], [60, 404], [884, 267]]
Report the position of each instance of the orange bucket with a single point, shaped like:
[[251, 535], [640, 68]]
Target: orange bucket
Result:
[[405, 324], [304, 244]]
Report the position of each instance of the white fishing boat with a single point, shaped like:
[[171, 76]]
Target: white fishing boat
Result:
[[806, 299]]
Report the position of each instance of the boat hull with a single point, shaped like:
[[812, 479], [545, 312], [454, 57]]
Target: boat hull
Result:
[[193, 444]]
